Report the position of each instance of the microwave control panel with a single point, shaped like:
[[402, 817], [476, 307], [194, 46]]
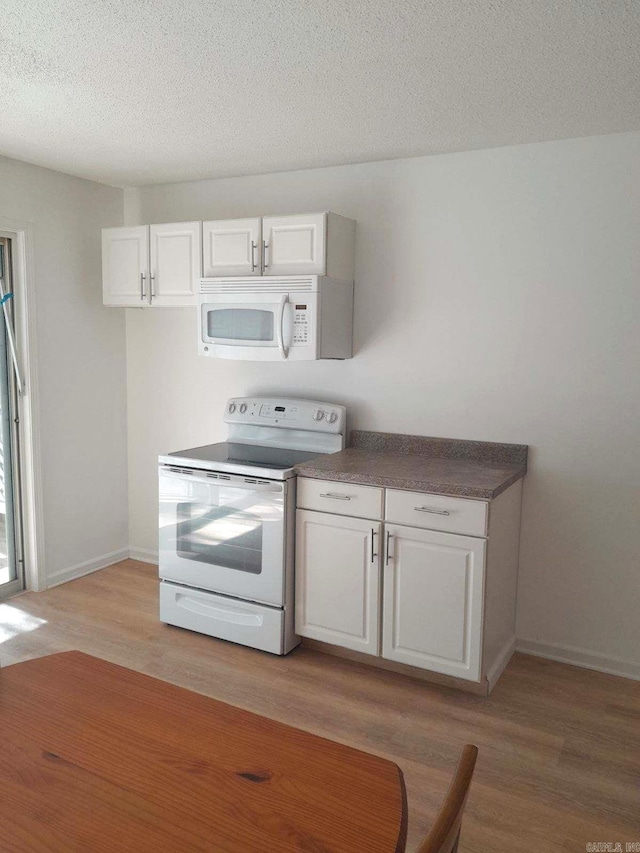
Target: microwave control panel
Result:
[[300, 323]]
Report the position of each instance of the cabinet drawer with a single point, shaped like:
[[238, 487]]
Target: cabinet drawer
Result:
[[437, 512], [340, 498]]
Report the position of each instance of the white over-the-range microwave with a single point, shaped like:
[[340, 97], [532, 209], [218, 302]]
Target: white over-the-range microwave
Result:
[[294, 318]]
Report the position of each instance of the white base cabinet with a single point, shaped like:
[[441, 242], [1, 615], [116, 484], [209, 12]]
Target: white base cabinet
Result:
[[402, 586], [432, 602], [338, 580]]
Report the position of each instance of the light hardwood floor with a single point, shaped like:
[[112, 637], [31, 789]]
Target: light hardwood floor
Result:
[[559, 762]]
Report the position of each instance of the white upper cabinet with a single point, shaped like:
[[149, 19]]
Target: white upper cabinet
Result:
[[295, 244], [174, 272], [161, 265], [157, 265], [305, 244], [125, 266], [232, 247]]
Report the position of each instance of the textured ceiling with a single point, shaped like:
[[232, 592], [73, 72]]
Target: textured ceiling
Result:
[[149, 91]]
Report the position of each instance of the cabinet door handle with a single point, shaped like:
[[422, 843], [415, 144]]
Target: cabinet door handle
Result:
[[265, 246], [152, 280], [254, 246], [388, 551], [335, 497], [374, 553], [434, 511], [142, 293]]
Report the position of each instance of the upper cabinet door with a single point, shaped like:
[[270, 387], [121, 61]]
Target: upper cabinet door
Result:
[[232, 247], [125, 270], [175, 264], [294, 244]]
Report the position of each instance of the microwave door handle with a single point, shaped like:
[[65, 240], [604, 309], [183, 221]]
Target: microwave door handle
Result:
[[284, 350]]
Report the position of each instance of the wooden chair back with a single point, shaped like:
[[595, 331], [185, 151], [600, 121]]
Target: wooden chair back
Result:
[[444, 835]]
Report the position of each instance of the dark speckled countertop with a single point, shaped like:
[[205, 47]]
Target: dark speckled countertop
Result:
[[472, 469]]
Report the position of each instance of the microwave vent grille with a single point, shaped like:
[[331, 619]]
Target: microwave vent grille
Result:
[[301, 285]]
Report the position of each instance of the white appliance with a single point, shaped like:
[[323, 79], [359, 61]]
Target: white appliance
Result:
[[294, 318], [227, 521]]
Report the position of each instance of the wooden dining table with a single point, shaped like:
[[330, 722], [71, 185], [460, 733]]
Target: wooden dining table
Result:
[[95, 757]]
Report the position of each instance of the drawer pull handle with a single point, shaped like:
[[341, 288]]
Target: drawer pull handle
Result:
[[335, 497], [253, 620], [434, 511]]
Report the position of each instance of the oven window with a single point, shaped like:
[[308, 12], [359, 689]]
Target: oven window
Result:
[[240, 324], [220, 536]]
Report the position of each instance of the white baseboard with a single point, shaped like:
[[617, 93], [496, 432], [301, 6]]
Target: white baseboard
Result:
[[81, 569], [143, 555], [581, 657], [563, 654], [497, 668]]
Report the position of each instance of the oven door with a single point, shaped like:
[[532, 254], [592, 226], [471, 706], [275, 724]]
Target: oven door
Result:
[[256, 326], [223, 533]]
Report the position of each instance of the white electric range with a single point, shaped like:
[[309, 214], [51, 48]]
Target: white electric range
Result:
[[227, 521]]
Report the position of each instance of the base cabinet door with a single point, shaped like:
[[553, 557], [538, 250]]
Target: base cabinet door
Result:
[[338, 580], [175, 264], [433, 587]]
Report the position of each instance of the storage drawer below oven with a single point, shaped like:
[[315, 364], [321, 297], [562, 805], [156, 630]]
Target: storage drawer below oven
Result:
[[226, 618]]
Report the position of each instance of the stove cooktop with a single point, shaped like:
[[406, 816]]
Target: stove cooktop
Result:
[[247, 459]]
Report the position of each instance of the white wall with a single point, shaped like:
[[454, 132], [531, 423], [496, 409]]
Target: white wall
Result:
[[497, 298], [80, 352]]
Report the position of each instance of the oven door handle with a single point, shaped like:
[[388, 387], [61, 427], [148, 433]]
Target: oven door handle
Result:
[[284, 349], [237, 483]]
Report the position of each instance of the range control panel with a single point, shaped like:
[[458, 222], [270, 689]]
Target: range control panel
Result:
[[286, 413]]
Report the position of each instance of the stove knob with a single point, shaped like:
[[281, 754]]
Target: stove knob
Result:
[[318, 415], [333, 417], [243, 408], [232, 408]]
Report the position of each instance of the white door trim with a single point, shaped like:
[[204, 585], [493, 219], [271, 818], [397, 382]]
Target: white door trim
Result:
[[21, 234]]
